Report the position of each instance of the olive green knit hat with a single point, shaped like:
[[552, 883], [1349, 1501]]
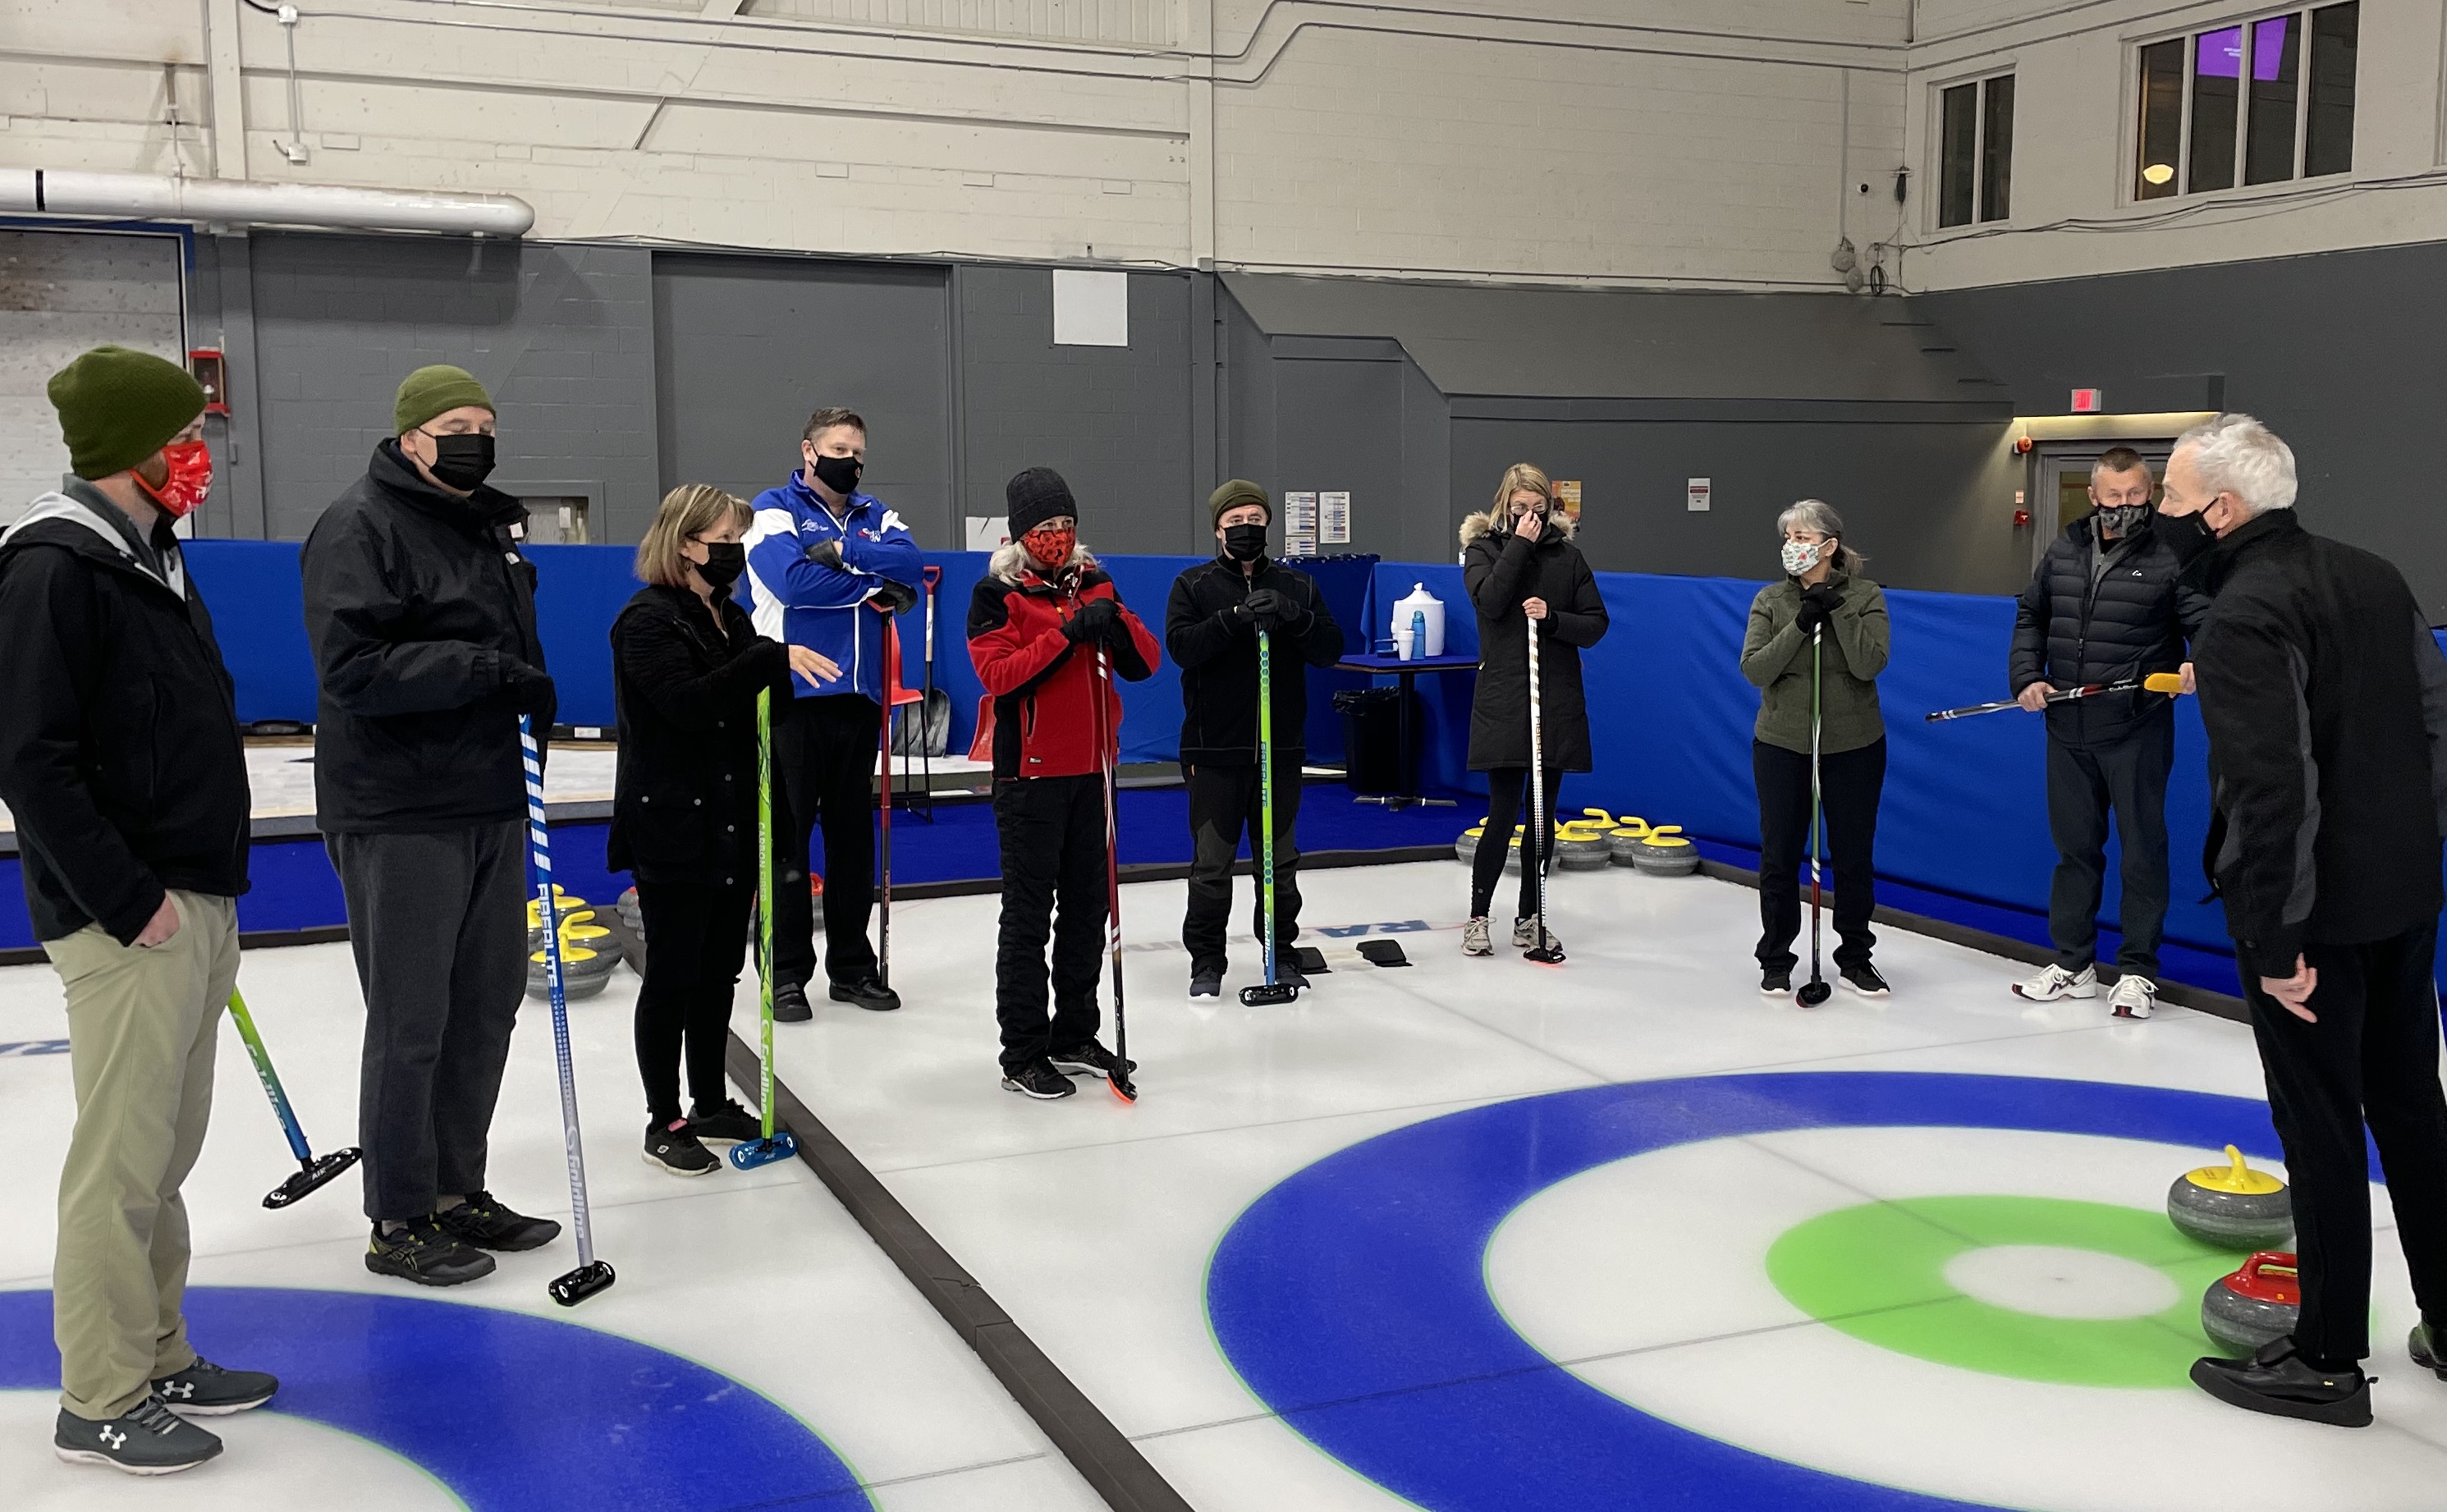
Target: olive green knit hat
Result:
[[117, 408], [430, 392], [1232, 496]]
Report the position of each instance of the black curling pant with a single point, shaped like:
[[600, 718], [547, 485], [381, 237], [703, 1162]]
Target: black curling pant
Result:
[[1052, 832], [825, 751], [697, 939], [1850, 782], [2372, 1058], [1506, 787], [1224, 804], [2085, 783]]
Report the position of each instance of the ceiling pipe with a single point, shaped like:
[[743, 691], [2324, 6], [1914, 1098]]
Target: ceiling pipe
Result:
[[149, 197]]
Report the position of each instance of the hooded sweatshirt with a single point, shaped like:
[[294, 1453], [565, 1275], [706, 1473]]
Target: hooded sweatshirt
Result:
[[119, 756]]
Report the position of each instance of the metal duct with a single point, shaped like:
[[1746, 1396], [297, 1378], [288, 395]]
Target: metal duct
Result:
[[146, 196]]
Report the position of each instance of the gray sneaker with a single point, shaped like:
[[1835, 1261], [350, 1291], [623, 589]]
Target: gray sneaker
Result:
[[1473, 937], [204, 1389], [147, 1439]]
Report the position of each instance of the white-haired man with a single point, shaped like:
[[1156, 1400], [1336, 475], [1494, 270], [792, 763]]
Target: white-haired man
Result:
[[2325, 698]]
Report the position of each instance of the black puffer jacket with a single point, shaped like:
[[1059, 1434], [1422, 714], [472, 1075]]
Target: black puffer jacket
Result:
[[2325, 699], [684, 805], [1216, 648], [118, 744], [420, 610], [2072, 629], [1501, 570]]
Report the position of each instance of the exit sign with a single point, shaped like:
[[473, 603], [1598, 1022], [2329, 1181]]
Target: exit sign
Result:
[[2087, 402]]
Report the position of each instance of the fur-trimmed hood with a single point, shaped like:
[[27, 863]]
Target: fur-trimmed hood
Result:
[[1484, 523], [1011, 559]]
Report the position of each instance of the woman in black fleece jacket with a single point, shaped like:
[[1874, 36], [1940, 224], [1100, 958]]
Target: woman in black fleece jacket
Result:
[[686, 665]]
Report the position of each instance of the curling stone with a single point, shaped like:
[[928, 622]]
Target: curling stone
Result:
[[1622, 840], [631, 913], [583, 974], [2261, 1301], [2231, 1206], [1665, 853], [1580, 847]]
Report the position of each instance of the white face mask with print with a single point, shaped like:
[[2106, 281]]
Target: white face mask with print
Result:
[[1800, 556]]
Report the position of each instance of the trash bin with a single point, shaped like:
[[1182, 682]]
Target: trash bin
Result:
[[1372, 739]]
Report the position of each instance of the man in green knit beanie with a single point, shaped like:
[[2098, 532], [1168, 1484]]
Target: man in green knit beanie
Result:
[[120, 760], [419, 606]]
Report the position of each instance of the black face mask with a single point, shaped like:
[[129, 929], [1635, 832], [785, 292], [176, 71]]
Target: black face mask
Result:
[[2127, 518], [2186, 535], [839, 474], [723, 561], [1245, 543], [461, 462]]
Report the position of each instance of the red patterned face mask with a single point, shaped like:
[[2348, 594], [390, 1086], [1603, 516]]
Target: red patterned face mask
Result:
[[190, 479], [1049, 549]]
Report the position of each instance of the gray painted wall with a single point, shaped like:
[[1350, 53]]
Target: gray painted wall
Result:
[[2337, 353], [558, 334], [747, 348]]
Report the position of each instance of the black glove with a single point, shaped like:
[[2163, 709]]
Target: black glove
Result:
[[1271, 611], [1826, 597], [1096, 620], [899, 598], [530, 687], [1813, 615], [825, 553]]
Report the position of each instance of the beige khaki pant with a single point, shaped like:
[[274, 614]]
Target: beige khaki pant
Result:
[[142, 1028]]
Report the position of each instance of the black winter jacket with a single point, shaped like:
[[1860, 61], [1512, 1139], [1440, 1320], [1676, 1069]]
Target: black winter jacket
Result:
[[684, 805], [420, 610], [120, 755], [2073, 627], [1216, 648], [2325, 699], [1501, 570]]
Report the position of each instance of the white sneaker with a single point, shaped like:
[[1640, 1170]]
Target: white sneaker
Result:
[[2134, 996], [2057, 982], [1473, 938]]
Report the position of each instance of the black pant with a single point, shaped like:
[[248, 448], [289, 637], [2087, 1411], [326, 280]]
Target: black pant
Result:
[[1849, 783], [696, 939], [2128, 778], [1052, 831], [2372, 1057], [1506, 787], [826, 750], [1223, 804], [438, 927]]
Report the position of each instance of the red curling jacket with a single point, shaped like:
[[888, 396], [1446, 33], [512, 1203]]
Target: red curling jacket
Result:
[[1043, 686]]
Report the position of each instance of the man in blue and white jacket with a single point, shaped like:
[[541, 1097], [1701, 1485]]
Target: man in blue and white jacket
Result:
[[826, 565]]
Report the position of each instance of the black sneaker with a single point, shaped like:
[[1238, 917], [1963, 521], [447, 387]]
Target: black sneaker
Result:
[[147, 1439], [1864, 980], [1286, 974], [672, 1148], [419, 1251], [2281, 1383], [791, 1005], [2426, 1352], [1090, 1059], [870, 995], [1207, 984], [484, 1222], [204, 1389], [727, 1124], [1776, 982], [1038, 1078]]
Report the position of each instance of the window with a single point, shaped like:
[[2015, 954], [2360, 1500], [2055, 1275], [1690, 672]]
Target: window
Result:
[[2231, 106], [1976, 151]]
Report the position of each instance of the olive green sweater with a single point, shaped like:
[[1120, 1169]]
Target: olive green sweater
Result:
[[1776, 657]]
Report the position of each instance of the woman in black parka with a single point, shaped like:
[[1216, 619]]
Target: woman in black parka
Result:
[[1523, 571], [687, 664]]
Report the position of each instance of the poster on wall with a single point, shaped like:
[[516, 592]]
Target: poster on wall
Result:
[[1334, 519], [1694, 495], [1300, 524], [1567, 500]]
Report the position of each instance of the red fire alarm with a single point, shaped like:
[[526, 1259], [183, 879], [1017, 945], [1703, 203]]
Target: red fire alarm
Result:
[[2022, 445], [206, 365], [2087, 402]]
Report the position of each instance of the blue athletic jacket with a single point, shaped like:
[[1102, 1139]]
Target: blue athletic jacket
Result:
[[805, 603]]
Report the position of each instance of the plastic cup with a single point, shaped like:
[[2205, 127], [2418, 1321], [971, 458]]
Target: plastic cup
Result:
[[1402, 644]]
